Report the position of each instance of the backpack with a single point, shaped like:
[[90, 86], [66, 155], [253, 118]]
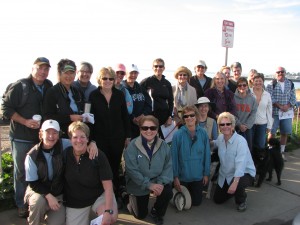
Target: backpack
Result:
[[274, 82], [25, 90]]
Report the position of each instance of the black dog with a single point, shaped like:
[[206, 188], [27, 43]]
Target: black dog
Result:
[[261, 159], [276, 160]]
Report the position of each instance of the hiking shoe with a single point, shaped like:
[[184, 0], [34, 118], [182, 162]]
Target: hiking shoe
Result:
[[157, 219], [242, 207], [23, 212]]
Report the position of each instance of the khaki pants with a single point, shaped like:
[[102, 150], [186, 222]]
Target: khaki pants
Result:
[[39, 210], [83, 216]]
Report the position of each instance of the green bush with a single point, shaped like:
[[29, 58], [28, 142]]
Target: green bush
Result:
[[6, 178]]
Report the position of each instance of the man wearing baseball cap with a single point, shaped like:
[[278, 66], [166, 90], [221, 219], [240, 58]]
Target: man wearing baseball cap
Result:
[[22, 100], [200, 81]]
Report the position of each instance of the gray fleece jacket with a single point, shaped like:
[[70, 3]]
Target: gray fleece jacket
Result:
[[246, 108]]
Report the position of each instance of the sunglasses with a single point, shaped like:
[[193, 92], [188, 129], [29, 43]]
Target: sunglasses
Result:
[[223, 124], [242, 85], [145, 128], [108, 78], [160, 66], [280, 72], [187, 116], [120, 73], [200, 67], [182, 75]]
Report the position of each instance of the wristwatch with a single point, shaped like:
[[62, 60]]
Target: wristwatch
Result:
[[110, 211]]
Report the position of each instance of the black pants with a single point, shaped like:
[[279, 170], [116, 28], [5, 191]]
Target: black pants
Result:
[[195, 188], [139, 204], [240, 195], [113, 149]]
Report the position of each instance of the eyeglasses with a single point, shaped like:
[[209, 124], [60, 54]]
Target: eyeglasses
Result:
[[108, 78], [187, 116], [182, 75], [200, 67], [223, 124], [160, 66], [145, 128], [242, 85], [280, 72], [120, 73]]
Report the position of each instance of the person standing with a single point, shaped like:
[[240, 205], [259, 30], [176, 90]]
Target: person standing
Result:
[[120, 70], [83, 83], [63, 102], [236, 69], [263, 120], [142, 102], [161, 93], [283, 96], [220, 96], [200, 81], [23, 129], [246, 107], [184, 93], [111, 129]]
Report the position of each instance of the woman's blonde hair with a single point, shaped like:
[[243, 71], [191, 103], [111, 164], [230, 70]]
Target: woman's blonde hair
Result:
[[78, 125], [229, 116], [213, 83], [103, 71], [149, 118]]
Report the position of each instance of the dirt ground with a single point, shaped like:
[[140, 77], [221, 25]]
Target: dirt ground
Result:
[[4, 139]]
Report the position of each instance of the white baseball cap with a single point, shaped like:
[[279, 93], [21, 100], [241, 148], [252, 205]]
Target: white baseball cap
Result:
[[50, 124]]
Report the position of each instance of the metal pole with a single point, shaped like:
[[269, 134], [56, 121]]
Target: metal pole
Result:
[[226, 56]]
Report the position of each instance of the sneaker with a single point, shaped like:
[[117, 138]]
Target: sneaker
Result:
[[23, 212], [157, 219], [242, 207]]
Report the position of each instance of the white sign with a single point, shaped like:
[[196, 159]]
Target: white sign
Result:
[[227, 33]]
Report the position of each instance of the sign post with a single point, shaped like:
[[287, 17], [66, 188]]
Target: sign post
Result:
[[227, 36]]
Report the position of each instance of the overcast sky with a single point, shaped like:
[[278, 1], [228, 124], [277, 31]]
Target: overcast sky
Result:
[[266, 34]]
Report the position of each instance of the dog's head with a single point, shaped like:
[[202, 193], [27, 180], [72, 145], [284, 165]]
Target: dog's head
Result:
[[274, 143], [260, 153]]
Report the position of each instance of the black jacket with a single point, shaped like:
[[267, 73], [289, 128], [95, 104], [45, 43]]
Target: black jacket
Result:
[[33, 105], [57, 106], [43, 185], [194, 82]]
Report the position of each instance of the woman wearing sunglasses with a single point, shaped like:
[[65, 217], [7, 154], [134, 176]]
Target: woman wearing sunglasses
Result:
[[246, 107], [111, 130], [237, 170], [148, 170], [191, 155], [184, 93]]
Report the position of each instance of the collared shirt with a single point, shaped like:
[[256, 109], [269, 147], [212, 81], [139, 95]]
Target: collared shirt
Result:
[[282, 97], [235, 158]]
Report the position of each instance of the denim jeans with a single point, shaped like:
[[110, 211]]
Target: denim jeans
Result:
[[248, 136], [259, 135], [19, 152]]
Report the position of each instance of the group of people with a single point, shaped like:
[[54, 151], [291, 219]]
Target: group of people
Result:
[[59, 170]]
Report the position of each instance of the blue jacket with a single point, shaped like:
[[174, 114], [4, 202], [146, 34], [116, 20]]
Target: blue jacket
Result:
[[191, 161], [141, 172]]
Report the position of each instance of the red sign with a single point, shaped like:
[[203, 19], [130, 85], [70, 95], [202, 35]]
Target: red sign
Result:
[[227, 33]]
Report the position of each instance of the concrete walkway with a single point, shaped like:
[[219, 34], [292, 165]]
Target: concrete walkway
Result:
[[267, 205]]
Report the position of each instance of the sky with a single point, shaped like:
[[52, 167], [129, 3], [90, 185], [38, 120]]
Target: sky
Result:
[[266, 34]]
